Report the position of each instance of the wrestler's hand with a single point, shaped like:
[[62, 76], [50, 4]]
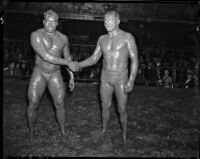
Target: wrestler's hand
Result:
[[73, 66], [128, 87], [71, 84], [79, 66]]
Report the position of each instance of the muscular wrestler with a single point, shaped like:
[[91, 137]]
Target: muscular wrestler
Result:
[[49, 44], [116, 47]]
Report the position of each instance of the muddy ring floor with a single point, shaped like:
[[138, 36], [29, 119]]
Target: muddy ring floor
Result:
[[161, 123]]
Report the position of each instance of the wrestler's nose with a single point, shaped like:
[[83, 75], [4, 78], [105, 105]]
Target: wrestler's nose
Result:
[[50, 24]]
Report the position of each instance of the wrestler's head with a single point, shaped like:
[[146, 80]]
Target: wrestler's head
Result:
[[50, 21], [111, 20]]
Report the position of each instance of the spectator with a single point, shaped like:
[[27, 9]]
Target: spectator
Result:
[[18, 70], [174, 74], [140, 77], [148, 74], [158, 72], [189, 83], [26, 72], [11, 71], [181, 72], [196, 80], [18, 66], [167, 80], [20, 57]]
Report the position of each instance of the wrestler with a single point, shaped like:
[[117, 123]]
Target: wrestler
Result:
[[49, 45], [116, 47]]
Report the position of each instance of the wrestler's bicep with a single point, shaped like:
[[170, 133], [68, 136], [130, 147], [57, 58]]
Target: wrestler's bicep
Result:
[[132, 47], [38, 45], [66, 50], [98, 52]]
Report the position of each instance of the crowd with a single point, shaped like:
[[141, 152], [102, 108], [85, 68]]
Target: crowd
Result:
[[17, 62], [157, 67]]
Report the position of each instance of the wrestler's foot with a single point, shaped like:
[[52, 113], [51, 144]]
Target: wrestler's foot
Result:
[[30, 135], [64, 137], [103, 131]]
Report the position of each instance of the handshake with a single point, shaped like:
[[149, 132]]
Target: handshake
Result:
[[74, 66]]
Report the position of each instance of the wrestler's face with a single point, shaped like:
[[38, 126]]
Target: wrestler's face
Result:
[[111, 22], [50, 24]]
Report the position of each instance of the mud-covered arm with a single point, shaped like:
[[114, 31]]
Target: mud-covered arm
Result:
[[66, 54], [40, 49], [133, 54], [94, 58]]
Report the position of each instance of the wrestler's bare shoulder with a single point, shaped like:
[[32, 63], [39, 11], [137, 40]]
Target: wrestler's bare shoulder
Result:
[[102, 38], [63, 36], [126, 34], [37, 33]]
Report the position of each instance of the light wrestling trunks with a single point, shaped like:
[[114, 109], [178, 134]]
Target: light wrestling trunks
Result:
[[113, 78]]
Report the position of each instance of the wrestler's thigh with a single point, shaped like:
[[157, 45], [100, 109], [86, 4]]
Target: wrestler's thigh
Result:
[[56, 87], [37, 85], [106, 92], [120, 93]]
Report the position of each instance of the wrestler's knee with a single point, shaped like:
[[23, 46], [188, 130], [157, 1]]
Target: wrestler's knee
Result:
[[59, 101], [33, 99], [106, 104], [59, 106], [122, 109]]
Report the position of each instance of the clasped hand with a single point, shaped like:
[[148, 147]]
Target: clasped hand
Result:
[[74, 66]]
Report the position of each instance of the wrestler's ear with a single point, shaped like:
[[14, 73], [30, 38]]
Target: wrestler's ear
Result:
[[118, 21]]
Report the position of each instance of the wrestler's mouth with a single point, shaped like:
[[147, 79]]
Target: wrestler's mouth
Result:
[[108, 28]]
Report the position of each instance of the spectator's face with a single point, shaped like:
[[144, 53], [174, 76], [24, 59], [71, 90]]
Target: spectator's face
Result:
[[189, 76], [166, 72], [20, 56], [12, 65], [18, 66], [23, 65]]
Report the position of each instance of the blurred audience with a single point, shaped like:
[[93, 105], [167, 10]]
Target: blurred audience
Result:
[[26, 70], [13, 70]]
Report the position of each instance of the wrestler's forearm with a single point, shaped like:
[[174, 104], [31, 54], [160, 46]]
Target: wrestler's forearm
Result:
[[87, 62], [133, 72], [70, 74], [55, 60]]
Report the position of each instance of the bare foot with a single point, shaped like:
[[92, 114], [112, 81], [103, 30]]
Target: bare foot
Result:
[[63, 137], [30, 135], [103, 131]]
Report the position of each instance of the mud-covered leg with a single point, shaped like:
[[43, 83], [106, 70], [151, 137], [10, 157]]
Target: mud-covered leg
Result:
[[57, 89], [36, 89], [106, 92], [122, 100]]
